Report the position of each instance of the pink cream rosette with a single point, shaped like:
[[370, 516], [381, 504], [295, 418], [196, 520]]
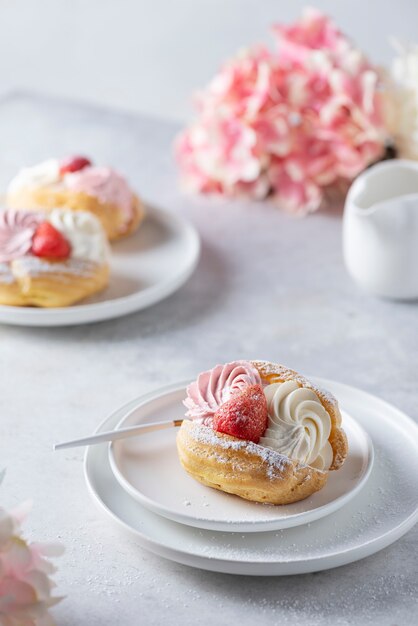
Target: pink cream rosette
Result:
[[103, 183], [16, 232], [216, 386]]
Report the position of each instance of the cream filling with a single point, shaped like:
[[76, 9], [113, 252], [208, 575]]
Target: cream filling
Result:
[[84, 232], [298, 425], [41, 175]]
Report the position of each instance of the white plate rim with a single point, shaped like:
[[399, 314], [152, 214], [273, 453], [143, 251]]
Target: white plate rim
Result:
[[291, 521], [117, 307], [249, 566]]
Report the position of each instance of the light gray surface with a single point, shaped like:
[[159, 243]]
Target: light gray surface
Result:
[[149, 56], [268, 286]]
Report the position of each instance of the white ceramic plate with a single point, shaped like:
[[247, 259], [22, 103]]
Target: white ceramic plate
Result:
[[147, 467], [384, 510], [145, 268]]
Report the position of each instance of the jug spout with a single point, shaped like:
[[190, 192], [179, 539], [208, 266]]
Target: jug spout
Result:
[[382, 185]]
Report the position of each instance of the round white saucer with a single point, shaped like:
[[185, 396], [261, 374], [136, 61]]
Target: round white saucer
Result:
[[384, 510], [148, 468], [145, 268]]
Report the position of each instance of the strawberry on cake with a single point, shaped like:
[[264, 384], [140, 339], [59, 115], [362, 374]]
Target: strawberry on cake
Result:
[[77, 184], [260, 431]]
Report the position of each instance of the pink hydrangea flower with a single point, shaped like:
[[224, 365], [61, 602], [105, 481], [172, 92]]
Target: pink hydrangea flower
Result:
[[25, 569], [290, 123]]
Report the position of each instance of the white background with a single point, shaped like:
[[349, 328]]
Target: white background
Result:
[[149, 55]]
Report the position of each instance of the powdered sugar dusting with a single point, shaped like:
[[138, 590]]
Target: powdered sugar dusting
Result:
[[277, 463], [6, 275], [35, 266], [284, 373]]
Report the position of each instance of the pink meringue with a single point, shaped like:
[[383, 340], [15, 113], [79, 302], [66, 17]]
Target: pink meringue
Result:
[[16, 232], [216, 386], [105, 184]]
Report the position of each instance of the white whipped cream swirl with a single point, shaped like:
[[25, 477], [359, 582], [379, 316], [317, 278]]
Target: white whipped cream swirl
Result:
[[84, 232], [298, 425], [41, 175]]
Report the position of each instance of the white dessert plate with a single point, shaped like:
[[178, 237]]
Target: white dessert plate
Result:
[[145, 268], [148, 468], [379, 514]]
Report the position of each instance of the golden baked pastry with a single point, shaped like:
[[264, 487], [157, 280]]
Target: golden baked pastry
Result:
[[51, 259], [260, 431], [244, 468], [77, 185]]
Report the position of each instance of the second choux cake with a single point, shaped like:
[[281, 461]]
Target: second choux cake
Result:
[[76, 184], [260, 431], [51, 259]]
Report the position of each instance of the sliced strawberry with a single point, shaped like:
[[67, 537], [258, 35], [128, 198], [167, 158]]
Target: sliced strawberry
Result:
[[49, 242], [244, 415], [73, 164]]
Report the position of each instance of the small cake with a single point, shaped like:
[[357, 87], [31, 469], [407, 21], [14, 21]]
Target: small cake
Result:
[[260, 431], [51, 259], [76, 184]]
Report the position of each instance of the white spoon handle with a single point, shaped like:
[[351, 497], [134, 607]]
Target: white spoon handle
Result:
[[113, 435]]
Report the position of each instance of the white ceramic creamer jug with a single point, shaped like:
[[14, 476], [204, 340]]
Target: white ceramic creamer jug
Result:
[[380, 229]]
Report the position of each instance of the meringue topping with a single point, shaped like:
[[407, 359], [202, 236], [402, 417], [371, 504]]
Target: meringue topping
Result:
[[216, 386]]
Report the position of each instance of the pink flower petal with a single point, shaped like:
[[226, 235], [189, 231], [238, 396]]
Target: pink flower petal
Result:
[[293, 121]]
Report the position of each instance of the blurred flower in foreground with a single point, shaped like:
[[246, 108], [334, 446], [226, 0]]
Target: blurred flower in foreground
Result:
[[401, 101], [291, 123], [25, 586]]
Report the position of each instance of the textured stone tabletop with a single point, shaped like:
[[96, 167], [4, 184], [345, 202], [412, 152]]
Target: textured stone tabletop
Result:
[[267, 286]]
